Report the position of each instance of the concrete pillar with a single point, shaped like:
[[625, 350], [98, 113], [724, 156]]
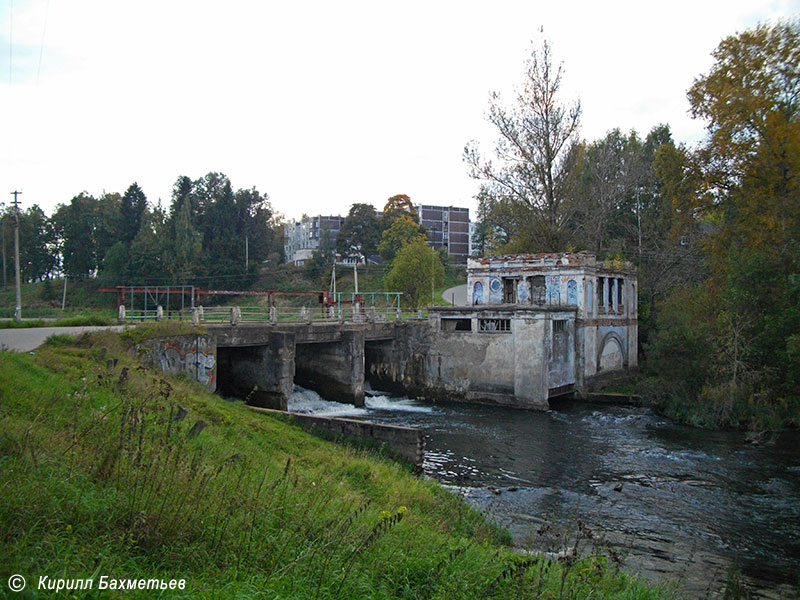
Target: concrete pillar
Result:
[[195, 317], [264, 375], [602, 306], [614, 294], [335, 370], [121, 313], [354, 356], [236, 315], [273, 315], [531, 344]]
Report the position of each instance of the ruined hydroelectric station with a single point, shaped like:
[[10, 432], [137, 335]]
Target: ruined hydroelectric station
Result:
[[537, 326]]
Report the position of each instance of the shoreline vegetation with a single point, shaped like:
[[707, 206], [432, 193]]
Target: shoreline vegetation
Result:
[[111, 469], [726, 409]]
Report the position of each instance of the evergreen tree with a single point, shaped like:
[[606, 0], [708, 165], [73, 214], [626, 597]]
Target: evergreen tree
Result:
[[132, 210]]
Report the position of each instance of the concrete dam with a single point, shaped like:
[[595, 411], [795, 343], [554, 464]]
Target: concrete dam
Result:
[[538, 326]]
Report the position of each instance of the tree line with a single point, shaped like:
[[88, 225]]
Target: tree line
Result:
[[714, 229], [209, 233]]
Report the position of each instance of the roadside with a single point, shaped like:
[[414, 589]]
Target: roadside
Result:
[[25, 340]]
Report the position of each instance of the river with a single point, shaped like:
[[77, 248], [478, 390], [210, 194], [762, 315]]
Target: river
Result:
[[678, 504]]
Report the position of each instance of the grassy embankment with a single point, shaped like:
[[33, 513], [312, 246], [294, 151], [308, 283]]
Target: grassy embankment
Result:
[[41, 305], [106, 472]]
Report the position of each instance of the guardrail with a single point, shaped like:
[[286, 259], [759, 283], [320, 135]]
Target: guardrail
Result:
[[254, 314]]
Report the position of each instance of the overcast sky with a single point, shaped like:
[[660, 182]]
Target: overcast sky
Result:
[[323, 104]]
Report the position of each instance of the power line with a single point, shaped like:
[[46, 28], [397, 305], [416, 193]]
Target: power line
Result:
[[10, 38], [41, 46]]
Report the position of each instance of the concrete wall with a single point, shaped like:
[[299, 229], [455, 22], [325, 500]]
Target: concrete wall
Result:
[[191, 355], [398, 364], [407, 442], [263, 374], [513, 367], [333, 370]]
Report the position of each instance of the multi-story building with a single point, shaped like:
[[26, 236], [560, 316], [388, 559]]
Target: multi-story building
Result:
[[448, 227], [301, 238]]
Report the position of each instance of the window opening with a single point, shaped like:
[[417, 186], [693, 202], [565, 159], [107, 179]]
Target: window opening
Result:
[[503, 325]]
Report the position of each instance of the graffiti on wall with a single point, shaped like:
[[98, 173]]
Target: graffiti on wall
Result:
[[553, 286], [200, 365], [572, 292], [477, 293], [495, 291], [194, 358], [523, 292]]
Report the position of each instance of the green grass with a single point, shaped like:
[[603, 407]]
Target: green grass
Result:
[[74, 321], [43, 299], [99, 476]]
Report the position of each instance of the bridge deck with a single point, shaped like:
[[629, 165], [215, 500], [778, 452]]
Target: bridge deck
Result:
[[247, 334]]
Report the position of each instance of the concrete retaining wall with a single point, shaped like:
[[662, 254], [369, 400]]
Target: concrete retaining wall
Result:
[[406, 442], [192, 355]]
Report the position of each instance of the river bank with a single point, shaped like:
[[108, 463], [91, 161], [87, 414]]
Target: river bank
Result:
[[113, 470], [677, 503]]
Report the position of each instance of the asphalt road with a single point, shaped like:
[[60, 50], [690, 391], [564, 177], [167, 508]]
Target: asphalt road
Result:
[[30, 338], [456, 295]]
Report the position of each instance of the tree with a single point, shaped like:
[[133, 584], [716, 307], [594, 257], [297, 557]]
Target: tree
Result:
[[413, 269], [360, 232], [402, 231], [223, 244], [115, 267], [107, 223], [37, 252], [321, 261], [147, 251], [396, 207], [256, 224], [535, 158], [751, 160], [132, 209], [737, 194], [185, 243], [74, 225]]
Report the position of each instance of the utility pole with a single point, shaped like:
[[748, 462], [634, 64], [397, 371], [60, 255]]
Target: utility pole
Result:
[[3, 235], [433, 247], [18, 307]]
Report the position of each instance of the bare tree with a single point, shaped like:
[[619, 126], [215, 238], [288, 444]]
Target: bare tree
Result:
[[533, 157]]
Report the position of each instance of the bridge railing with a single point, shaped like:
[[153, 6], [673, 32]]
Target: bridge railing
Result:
[[256, 314]]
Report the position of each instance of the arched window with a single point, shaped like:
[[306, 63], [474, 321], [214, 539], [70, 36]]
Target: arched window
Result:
[[477, 293]]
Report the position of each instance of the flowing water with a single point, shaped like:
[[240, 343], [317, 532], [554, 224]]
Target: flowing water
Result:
[[679, 504]]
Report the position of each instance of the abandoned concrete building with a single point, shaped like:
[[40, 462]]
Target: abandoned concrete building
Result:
[[538, 326]]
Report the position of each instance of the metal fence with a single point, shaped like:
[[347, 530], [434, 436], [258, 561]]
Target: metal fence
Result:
[[355, 313]]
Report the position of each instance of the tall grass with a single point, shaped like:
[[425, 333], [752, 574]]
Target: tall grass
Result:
[[120, 471]]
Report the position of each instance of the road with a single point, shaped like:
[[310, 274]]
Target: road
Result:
[[30, 338], [456, 295]]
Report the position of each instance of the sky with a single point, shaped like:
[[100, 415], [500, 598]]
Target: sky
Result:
[[324, 104]]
